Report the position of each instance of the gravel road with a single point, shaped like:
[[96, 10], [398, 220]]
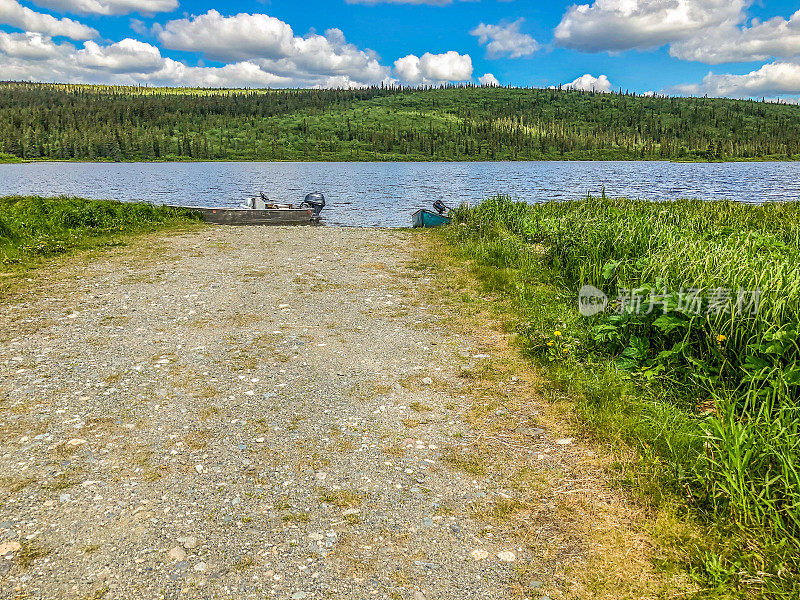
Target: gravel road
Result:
[[240, 413]]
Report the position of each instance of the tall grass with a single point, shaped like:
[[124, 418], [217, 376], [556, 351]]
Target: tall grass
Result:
[[33, 227], [711, 388]]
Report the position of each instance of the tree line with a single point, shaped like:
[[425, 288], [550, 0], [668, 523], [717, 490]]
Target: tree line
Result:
[[83, 122]]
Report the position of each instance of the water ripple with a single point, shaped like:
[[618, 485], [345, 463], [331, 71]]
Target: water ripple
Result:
[[385, 194]]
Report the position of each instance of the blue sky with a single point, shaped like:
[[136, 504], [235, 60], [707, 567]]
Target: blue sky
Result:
[[734, 48]]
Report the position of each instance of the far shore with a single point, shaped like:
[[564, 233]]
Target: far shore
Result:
[[16, 160]]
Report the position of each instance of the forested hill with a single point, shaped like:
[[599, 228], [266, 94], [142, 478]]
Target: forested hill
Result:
[[64, 122]]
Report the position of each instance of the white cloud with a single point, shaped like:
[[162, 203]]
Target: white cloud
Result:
[[126, 56], [488, 80], [709, 31], [32, 57], [434, 68], [773, 79], [762, 40], [258, 50], [617, 25], [139, 27], [589, 83], [30, 47], [506, 40], [271, 43], [110, 7], [450, 66], [240, 74], [14, 14], [228, 38], [408, 69]]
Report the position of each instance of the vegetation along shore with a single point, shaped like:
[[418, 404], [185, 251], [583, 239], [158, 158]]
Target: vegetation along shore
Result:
[[704, 393], [83, 122], [34, 228]]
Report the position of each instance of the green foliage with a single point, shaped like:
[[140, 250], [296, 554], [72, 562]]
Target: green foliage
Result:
[[9, 158], [32, 227], [83, 122], [707, 393], [643, 254]]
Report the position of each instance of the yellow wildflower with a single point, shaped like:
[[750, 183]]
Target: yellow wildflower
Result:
[[549, 343], [557, 333], [721, 338]]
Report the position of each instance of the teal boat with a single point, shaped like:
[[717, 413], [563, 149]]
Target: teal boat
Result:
[[426, 218]]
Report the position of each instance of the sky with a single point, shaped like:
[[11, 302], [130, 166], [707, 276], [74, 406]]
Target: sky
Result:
[[731, 48]]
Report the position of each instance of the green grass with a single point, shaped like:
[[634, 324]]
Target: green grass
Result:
[[30, 552], [32, 228], [708, 399], [342, 498]]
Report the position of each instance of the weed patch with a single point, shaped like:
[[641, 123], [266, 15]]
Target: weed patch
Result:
[[705, 396]]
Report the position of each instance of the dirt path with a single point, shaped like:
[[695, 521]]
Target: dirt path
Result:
[[253, 413]]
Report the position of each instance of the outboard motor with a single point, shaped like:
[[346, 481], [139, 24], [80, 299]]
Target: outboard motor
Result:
[[314, 201], [440, 207]]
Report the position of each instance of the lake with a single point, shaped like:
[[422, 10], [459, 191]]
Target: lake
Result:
[[385, 194]]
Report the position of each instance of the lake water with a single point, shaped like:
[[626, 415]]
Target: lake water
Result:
[[385, 194]]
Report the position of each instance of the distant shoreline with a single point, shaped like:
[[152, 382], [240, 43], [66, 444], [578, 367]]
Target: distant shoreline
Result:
[[400, 160]]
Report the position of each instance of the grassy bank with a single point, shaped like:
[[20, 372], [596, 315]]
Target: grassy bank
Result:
[[33, 228], [699, 379]]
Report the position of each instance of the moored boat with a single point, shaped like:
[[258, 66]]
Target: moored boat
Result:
[[427, 218], [261, 210], [254, 216]]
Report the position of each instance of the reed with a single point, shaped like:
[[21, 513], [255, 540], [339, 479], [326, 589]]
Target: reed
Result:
[[710, 391]]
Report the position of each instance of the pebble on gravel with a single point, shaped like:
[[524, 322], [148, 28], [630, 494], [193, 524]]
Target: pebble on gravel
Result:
[[507, 556], [9, 548], [177, 554], [479, 554], [188, 542]]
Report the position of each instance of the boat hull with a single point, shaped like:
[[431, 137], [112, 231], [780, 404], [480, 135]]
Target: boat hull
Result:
[[426, 218], [250, 216]]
